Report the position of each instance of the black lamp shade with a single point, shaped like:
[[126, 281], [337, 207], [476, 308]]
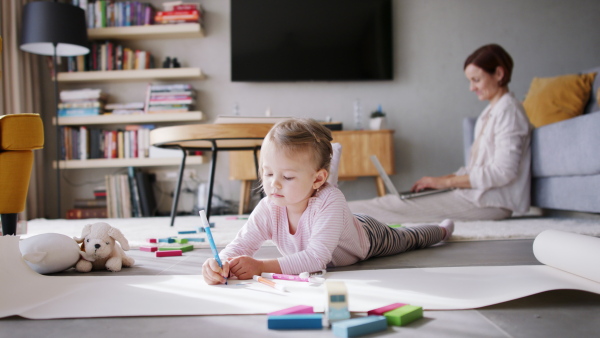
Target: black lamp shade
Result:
[[46, 24]]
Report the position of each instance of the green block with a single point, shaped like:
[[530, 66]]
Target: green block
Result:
[[395, 225], [186, 248], [181, 240], [404, 315]]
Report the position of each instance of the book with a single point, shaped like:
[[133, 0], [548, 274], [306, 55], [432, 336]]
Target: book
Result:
[[146, 193], [83, 213], [84, 203], [64, 112]]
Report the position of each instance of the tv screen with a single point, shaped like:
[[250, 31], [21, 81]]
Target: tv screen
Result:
[[311, 40]]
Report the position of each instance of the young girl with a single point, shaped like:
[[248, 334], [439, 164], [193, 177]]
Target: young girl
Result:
[[307, 218]]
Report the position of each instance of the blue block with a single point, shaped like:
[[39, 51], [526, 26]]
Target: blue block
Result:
[[296, 322], [201, 229], [166, 240], [183, 232], [195, 239], [359, 326], [211, 224]]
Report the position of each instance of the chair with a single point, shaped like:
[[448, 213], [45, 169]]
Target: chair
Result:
[[20, 134]]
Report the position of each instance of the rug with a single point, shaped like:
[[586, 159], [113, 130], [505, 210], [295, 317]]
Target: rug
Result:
[[138, 230]]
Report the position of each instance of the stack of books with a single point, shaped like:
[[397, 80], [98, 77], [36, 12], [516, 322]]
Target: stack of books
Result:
[[179, 13], [125, 108], [81, 102], [170, 98], [90, 208]]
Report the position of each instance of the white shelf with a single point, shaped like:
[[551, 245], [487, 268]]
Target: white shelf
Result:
[[127, 162], [195, 116], [173, 31], [132, 75]]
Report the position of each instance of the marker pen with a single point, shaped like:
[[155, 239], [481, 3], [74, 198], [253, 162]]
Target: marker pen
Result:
[[293, 277], [269, 283]]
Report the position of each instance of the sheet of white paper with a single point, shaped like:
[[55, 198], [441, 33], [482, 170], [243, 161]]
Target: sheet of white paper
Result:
[[31, 295]]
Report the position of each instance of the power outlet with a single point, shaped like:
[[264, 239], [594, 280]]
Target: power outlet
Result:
[[171, 175]]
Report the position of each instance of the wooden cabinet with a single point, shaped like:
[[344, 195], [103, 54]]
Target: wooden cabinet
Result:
[[357, 148]]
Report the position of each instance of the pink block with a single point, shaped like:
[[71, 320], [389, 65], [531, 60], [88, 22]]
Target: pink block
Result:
[[298, 309], [148, 248], [380, 311], [168, 253], [152, 240]]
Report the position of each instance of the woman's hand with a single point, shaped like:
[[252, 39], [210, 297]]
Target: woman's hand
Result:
[[213, 274], [427, 182], [244, 267]]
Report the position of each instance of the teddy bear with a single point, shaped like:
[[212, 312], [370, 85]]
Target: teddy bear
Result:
[[100, 249]]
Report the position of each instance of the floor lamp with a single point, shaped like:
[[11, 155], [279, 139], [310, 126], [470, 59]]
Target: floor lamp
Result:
[[55, 29]]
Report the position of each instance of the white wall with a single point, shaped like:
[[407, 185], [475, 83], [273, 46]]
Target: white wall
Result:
[[425, 102]]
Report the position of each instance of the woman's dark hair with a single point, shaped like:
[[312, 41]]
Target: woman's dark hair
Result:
[[490, 57]]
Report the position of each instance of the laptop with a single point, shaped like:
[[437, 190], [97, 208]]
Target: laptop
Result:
[[392, 189]]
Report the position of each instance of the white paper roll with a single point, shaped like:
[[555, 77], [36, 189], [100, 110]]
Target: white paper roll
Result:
[[573, 253]]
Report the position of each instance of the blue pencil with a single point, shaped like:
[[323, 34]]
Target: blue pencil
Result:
[[211, 241]]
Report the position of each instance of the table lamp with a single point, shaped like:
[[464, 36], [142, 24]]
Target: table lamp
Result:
[[56, 29]]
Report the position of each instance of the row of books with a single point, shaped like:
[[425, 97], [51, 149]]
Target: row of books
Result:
[[110, 56], [81, 143], [90, 208], [108, 13], [130, 195]]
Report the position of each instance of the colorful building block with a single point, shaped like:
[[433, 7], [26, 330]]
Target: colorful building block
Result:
[[211, 224], [168, 253], [404, 315], [201, 229], [152, 240], [181, 240], [380, 311], [359, 326], [196, 239], [183, 248], [295, 322], [148, 248], [298, 309], [337, 301], [185, 232], [166, 240]]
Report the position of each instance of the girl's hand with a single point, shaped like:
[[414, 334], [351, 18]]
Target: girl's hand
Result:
[[213, 274], [244, 267]]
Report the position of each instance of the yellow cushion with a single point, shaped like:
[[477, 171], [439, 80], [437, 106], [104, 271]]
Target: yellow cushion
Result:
[[554, 99], [15, 171]]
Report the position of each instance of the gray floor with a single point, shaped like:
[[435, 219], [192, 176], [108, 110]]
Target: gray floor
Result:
[[564, 313]]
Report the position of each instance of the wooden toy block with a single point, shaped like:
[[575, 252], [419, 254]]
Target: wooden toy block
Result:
[[183, 248], [296, 322], [359, 326], [186, 248], [298, 309], [185, 232], [148, 248], [152, 240], [201, 229], [166, 240], [196, 239], [404, 315], [181, 240], [380, 311], [168, 253], [337, 301]]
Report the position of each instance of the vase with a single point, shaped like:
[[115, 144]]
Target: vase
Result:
[[377, 123]]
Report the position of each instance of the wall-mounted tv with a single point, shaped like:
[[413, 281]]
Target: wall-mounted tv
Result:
[[311, 40]]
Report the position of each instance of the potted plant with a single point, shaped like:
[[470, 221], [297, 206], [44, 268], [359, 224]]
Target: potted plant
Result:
[[377, 121]]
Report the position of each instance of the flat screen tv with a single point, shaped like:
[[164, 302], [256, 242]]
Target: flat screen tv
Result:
[[311, 40]]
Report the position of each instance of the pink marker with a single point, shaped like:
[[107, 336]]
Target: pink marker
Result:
[[294, 278]]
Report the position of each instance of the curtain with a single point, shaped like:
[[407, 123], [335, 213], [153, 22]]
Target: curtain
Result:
[[21, 93]]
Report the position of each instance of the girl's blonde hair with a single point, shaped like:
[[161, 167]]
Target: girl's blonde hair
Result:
[[303, 135]]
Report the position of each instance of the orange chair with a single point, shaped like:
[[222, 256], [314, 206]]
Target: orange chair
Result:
[[20, 134]]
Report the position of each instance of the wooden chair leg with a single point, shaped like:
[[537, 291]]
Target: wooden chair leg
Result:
[[9, 224]]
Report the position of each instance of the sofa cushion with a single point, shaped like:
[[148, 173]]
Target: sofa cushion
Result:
[[568, 148], [21, 132], [555, 99]]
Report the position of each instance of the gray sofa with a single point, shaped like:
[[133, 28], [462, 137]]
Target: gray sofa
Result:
[[565, 162]]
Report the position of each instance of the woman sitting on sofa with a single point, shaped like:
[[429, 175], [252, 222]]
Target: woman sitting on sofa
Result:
[[496, 182]]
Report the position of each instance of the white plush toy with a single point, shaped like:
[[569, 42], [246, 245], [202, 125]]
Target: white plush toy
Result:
[[100, 250], [50, 253]]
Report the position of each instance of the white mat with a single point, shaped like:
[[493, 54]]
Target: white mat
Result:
[[138, 230], [31, 295]]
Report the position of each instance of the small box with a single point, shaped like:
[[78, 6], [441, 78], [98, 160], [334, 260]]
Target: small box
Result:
[[169, 253], [359, 326], [404, 315], [295, 322]]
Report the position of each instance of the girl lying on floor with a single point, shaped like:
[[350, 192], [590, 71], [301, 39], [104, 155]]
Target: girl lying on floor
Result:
[[307, 218]]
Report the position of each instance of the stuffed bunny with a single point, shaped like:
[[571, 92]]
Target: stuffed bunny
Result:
[[100, 250]]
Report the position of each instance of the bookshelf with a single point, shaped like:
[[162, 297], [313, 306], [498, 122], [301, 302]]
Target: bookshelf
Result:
[[143, 76]]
